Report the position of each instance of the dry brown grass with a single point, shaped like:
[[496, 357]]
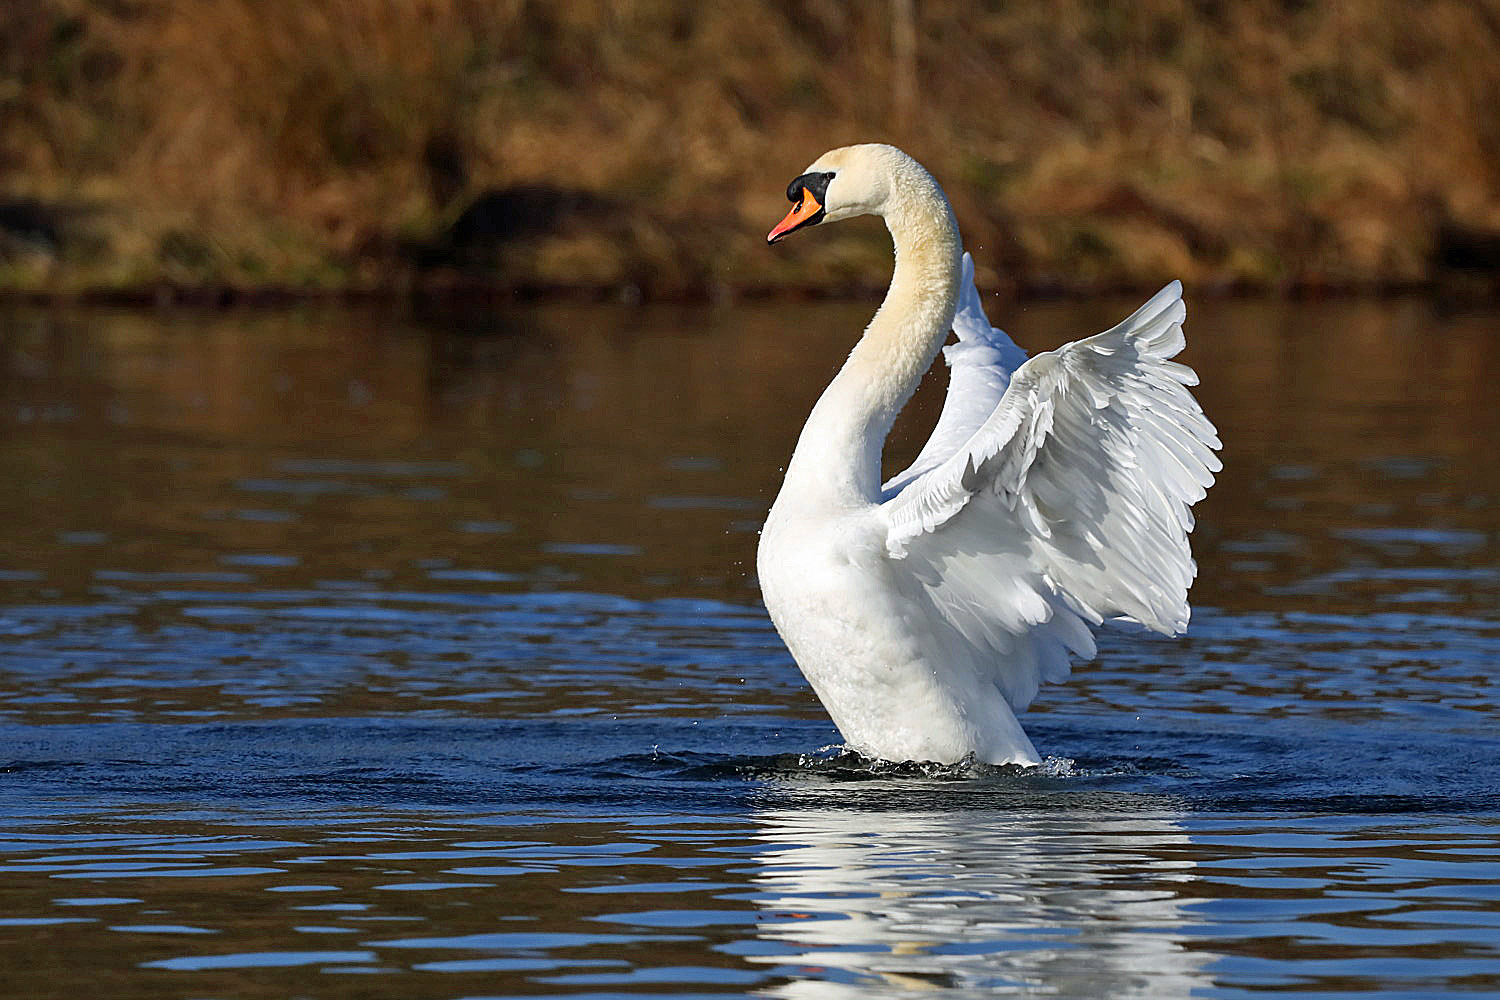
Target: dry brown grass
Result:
[[312, 143]]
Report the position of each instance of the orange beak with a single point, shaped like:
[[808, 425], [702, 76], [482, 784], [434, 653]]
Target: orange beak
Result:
[[802, 213]]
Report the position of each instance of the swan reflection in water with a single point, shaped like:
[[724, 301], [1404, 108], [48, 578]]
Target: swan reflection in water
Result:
[[868, 903]]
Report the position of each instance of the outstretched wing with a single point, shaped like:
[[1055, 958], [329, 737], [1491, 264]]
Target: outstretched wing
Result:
[[1068, 504], [980, 364]]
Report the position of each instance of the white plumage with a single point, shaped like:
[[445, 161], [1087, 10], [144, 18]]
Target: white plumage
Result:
[[1053, 495]]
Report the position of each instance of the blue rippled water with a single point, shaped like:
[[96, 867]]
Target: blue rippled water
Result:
[[351, 655]]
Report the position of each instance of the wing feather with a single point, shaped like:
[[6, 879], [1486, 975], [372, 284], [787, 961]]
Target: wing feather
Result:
[[1067, 503]]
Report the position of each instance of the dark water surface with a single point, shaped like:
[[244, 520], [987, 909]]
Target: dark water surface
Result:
[[356, 654]]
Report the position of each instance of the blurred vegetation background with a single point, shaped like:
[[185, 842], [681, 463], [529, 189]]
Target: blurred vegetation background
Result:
[[642, 147]]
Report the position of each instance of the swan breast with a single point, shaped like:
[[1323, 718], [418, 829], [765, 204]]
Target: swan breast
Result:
[[858, 633]]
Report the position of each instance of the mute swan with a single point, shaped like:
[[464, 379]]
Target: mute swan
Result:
[[1052, 495]]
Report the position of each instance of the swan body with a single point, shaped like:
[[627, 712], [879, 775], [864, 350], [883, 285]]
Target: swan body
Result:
[[1053, 495]]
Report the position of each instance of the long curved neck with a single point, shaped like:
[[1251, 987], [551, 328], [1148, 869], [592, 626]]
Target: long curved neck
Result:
[[838, 454]]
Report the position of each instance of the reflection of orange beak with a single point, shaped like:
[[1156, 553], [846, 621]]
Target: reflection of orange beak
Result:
[[801, 214]]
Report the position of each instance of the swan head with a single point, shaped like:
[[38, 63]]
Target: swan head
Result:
[[844, 183]]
